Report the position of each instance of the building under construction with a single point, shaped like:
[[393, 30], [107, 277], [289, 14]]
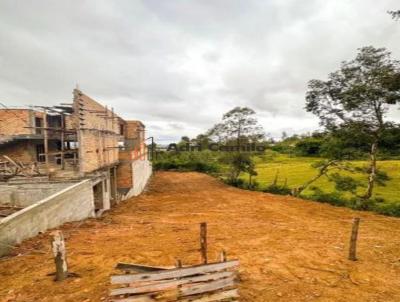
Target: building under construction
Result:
[[64, 163]]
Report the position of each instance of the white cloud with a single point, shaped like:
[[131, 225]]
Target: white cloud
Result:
[[179, 65]]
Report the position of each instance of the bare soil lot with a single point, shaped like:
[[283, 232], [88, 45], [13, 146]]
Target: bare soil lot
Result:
[[289, 249]]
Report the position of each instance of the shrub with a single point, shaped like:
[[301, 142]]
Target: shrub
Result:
[[187, 161], [344, 183], [356, 203], [237, 163], [389, 209], [277, 189], [238, 182], [309, 146], [334, 198], [254, 186]]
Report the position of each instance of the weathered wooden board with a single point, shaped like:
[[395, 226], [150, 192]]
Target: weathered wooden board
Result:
[[139, 268], [135, 299], [200, 283], [232, 293], [190, 279], [228, 294], [206, 287], [174, 273], [156, 286]]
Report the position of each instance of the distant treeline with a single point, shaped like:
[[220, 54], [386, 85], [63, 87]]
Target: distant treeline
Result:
[[340, 144]]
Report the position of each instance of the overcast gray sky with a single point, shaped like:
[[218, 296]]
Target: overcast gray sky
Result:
[[179, 65]]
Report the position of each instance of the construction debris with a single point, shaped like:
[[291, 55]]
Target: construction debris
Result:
[[206, 282], [10, 168]]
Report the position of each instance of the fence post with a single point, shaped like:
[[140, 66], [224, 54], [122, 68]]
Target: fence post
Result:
[[203, 242], [178, 263], [353, 239], [60, 255], [223, 256]]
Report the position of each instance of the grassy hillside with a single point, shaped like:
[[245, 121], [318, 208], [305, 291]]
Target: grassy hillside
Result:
[[297, 170]]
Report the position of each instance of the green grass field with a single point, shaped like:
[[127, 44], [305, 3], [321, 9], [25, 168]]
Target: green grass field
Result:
[[297, 170]]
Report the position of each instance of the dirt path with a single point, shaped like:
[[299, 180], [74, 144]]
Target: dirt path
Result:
[[290, 250]]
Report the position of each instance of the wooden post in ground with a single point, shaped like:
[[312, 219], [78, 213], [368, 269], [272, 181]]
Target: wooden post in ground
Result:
[[60, 255], [203, 242], [178, 263], [223, 256], [353, 239]]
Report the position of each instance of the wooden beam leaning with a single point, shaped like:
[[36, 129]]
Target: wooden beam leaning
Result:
[[174, 273]]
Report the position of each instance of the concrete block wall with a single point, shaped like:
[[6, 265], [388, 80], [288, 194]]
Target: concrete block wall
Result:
[[142, 170], [137, 173], [73, 203], [23, 195]]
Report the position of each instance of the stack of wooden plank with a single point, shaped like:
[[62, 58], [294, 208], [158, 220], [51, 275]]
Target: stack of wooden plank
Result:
[[198, 283]]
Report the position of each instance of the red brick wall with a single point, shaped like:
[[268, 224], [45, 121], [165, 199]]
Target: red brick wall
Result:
[[132, 129], [135, 136], [124, 170], [24, 151], [14, 121]]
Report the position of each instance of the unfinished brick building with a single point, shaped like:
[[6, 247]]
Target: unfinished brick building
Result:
[[45, 149]]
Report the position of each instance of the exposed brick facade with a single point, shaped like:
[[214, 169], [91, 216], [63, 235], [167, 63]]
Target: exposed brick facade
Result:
[[134, 138], [23, 151], [15, 121], [98, 133]]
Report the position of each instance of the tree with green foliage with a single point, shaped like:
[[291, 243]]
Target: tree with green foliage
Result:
[[390, 141], [238, 125], [357, 98], [237, 163], [395, 14], [202, 140], [309, 146]]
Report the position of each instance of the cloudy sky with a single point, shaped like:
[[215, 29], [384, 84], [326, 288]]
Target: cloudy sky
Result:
[[179, 65]]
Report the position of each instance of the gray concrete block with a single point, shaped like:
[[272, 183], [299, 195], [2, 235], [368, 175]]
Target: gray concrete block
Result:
[[73, 203]]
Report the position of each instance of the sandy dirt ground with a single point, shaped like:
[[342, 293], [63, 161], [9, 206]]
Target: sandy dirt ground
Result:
[[289, 249]]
